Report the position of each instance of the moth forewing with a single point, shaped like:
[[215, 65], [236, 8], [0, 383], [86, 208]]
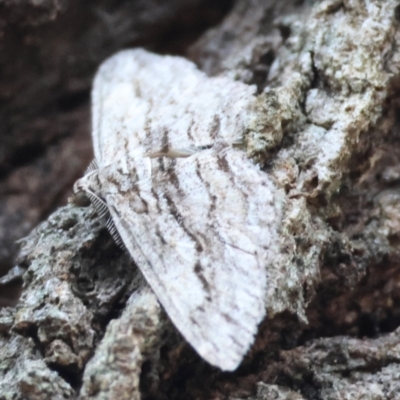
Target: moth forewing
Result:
[[191, 234]]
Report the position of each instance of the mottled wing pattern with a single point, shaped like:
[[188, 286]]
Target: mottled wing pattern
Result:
[[143, 102], [199, 227], [199, 230]]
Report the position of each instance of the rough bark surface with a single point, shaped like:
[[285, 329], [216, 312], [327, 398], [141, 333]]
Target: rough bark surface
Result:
[[86, 324]]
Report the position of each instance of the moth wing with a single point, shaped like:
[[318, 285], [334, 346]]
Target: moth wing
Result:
[[117, 108], [202, 231], [143, 102]]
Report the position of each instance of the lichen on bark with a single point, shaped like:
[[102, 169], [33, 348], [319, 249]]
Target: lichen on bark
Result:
[[327, 74]]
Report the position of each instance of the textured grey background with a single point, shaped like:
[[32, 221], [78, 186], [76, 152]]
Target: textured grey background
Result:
[[86, 324]]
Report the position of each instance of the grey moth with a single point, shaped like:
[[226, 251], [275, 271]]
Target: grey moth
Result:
[[197, 216]]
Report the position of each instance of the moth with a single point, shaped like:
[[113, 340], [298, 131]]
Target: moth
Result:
[[197, 216]]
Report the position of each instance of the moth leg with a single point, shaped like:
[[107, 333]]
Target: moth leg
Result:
[[114, 233]]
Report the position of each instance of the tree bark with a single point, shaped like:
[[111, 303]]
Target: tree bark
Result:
[[87, 325]]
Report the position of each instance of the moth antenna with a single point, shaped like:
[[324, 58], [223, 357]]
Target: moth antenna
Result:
[[91, 167], [98, 203], [178, 153], [114, 233], [239, 142]]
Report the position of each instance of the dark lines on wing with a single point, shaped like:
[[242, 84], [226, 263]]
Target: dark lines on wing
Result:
[[198, 270], [179, 219], [207, 185], [173, 178], [228, 317], [194, 321], [115, 181], [215, 127], [223, 164], [147, 129], [213, 199], [189, 133], [223, 167], [160, 161], [160, 235], [165, 141], [137, 195], [234, 340], [125, 141], [155, 195]]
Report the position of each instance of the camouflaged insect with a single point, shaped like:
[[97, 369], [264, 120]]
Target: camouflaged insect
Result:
[[197, 216]]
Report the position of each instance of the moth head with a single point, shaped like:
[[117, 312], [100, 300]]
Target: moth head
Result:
[[79, 197], [89, 183], [87, 190], [81, 188]]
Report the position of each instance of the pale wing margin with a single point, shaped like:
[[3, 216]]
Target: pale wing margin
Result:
[[203, 232]]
